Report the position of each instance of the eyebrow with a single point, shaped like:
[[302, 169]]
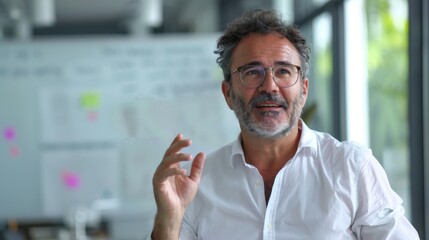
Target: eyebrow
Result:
[[252, 63], [283, 63]]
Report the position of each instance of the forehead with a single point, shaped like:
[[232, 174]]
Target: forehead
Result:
[[266, 49]]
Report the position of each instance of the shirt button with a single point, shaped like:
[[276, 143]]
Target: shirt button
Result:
[[258, 183]]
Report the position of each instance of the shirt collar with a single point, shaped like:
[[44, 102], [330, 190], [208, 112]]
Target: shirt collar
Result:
[[308, 138], [237, 152], [307, 141]]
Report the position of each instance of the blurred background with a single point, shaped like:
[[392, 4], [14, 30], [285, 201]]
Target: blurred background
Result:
[[92, 92]]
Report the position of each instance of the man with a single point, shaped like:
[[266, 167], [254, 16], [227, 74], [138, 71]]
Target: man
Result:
[[279, 179]]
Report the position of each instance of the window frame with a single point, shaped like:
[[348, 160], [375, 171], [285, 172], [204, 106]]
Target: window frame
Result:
[[417, 116]]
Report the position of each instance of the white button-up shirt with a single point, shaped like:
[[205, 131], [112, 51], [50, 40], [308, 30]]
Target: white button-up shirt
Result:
[[328, 190]]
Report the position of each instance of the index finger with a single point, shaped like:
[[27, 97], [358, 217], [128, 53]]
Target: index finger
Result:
[[177, 144]]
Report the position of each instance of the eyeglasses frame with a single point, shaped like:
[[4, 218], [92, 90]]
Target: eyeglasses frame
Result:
[[239, 69]]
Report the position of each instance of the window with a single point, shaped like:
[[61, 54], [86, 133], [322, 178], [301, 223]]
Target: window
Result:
[[319, 110], [371, 64], [387, 61]]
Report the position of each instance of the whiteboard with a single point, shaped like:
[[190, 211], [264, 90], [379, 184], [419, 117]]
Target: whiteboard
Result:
[[78, 178], [127, 96]]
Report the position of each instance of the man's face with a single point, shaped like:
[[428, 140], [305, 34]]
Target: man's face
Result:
[[267, 111]]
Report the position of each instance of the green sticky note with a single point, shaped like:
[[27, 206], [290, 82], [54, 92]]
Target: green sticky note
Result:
[[90, 100]]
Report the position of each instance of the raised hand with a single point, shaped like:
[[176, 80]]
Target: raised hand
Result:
[[173, 189]]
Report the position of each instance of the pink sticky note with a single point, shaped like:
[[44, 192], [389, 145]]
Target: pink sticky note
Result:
[[9, 133], [92, 116], [71, 180], [14, 151]]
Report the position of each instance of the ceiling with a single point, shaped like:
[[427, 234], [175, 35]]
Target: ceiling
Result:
[[96, 11], [121, 16], [153, 13], [85, 11]]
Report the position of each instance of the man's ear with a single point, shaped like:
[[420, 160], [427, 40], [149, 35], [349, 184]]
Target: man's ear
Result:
[[304, 90], [226, 87]]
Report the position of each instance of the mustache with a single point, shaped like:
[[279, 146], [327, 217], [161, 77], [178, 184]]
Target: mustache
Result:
[[264, 96]]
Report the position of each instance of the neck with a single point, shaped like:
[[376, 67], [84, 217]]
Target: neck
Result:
[[269, 154]]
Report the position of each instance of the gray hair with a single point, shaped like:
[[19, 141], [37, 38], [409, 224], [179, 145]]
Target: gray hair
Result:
[[263, 22]]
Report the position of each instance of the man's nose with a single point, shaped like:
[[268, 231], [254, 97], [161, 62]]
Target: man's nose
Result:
[[269, 84]]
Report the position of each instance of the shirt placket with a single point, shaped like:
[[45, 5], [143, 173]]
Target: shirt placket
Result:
[[273, 204]]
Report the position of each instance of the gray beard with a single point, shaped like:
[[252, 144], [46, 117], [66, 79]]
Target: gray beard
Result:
[[259, 129]]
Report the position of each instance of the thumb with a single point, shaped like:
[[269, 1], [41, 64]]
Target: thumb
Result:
[[197, 167]]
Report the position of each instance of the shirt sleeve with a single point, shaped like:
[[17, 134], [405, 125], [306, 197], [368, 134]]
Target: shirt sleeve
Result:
[[186, 232], [380, 214]]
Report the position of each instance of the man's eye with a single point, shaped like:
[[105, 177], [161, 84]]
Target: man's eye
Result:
[[253, 71], [283, 71]]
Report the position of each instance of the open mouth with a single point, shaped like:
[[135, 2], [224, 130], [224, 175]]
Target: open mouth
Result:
[[268, 106]]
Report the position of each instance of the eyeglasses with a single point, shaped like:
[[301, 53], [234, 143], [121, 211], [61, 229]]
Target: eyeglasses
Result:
[[253, 76]]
